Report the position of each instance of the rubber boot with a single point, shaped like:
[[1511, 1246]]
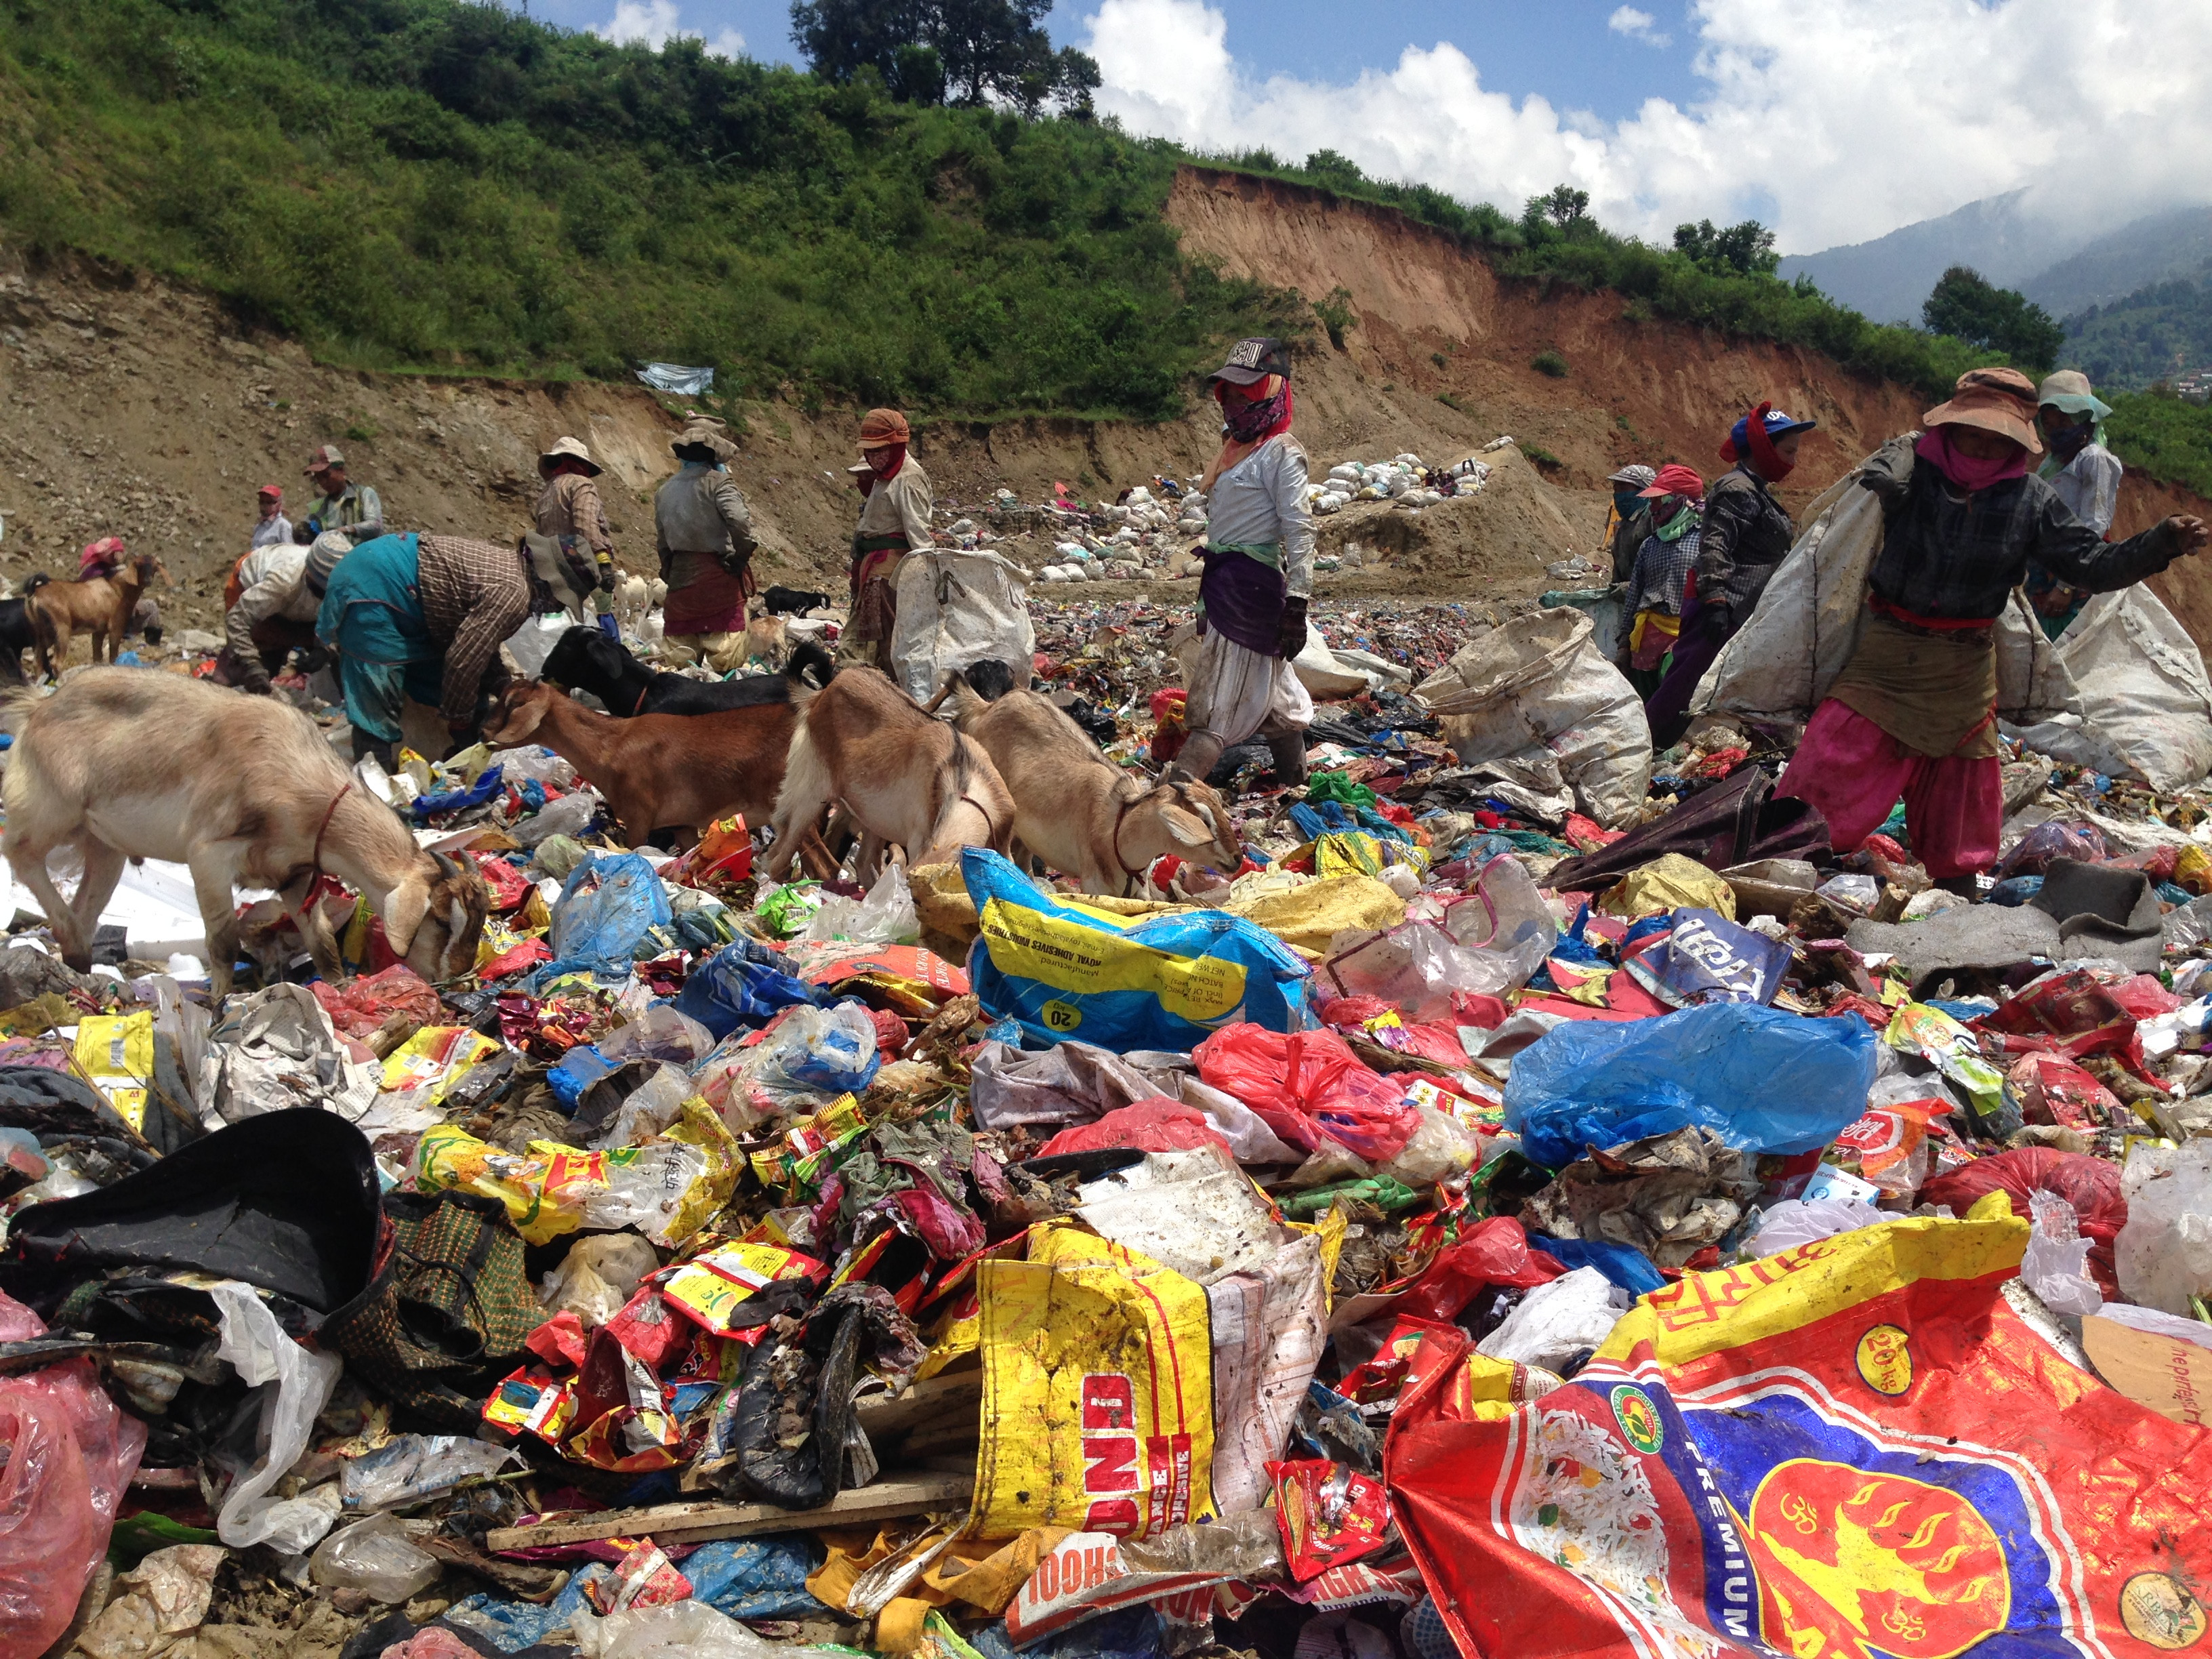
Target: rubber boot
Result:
[[1201, 751], [1289, 749]]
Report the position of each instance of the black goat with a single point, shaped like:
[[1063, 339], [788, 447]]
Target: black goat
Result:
[[792, 601], [18, 633], [586, 660]]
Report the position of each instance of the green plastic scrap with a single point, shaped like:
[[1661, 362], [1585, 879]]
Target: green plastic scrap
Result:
[[1385, 1192], [1338, 787]]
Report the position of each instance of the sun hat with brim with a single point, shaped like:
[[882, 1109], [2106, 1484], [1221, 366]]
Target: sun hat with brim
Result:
[[2069, 389], [323, 460], [704, 434], [1999, 400], [1635, 473], [1252, 360], [571, 449], [1675, 479]]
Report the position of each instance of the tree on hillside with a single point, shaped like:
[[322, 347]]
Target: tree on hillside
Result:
[[1340, 171], [961, 51], [1968, 305], [1744, 250]]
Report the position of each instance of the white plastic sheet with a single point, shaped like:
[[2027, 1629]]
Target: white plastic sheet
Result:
[[296, 1385]]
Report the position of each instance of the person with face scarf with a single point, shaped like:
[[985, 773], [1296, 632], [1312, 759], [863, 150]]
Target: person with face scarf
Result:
[[1674, 506], [1628, 520], [2085, 474], [894, 520], [1258, 573], [1914, 710], [1743, 537]]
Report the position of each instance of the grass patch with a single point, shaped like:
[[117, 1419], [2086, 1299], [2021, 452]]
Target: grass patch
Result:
[[1542, 457], [1551, 364], [1450, 400]]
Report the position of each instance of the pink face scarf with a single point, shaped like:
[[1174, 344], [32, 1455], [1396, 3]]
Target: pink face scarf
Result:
[[1970, 475]]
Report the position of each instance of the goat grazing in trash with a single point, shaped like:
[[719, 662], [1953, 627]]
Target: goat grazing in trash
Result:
[[244, 791], [904, 778], [659, 771], [1075, 809], [99, 605], [585, 660]]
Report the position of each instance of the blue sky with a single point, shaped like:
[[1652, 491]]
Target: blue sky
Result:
[[1829, 121], [1561, 50]]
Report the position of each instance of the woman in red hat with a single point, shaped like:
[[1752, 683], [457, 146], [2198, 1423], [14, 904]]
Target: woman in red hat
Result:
[[1651, 616], [1914, 711]]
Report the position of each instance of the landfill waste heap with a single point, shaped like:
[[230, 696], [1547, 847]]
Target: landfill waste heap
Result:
[[1542, 1201]]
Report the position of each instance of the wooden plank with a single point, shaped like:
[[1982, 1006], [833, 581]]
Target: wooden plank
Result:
[[695, 1523], [956, 1400]]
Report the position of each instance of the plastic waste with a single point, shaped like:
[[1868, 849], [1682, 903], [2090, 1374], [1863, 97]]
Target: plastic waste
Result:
[[157, 1605], [1307, 1087], [739, 985], [2094, 1188], [1488, 943], [607, 906], [680, 1630], [599, 1275], [1793, 1221], [885, 916], [2057, 1264], [569, 816], [296, 1385], [1594, 1084], [376, 1557], [1558, 1325], [412, 1469], [811, 1057], [2163, 1251]]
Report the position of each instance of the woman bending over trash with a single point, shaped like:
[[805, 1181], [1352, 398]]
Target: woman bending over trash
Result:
[[1915, 709], [1258, 573]]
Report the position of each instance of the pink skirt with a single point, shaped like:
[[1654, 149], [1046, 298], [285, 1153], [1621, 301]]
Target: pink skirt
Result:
[[1853, 771]]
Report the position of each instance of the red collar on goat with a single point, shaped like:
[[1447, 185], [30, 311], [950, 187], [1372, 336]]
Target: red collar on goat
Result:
[[329, 812]]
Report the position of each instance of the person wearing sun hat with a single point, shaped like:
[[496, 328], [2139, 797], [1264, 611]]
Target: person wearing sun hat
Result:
[[1673, 504], [2070, 419], [894, 521], [1744, 537], [568, 509], [703, 529], [1628, 520], [1914, 711], [1259, 572]]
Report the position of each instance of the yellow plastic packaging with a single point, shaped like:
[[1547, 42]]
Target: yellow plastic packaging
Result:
[[116, 1051], [1098, 1392], [1665, 883], [1310, 916], [434, 1057]]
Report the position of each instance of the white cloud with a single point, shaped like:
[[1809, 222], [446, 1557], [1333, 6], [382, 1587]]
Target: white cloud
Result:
[[1832, 120], [1638, 26], [654, 23]]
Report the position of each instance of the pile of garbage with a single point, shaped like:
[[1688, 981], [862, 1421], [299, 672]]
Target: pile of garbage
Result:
[[1542, 1200]]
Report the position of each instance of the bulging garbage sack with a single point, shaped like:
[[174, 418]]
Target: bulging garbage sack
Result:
[[1540, 687], [956, 609], [2145, 705], [1765, 1081], [1161, 982]]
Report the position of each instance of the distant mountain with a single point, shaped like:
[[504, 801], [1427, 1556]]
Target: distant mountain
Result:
[[2160, 332], [1888, 278], [2137, 255]]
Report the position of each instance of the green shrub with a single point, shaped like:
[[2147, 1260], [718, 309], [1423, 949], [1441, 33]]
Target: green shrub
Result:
[[1542, 457], [1551, 364]]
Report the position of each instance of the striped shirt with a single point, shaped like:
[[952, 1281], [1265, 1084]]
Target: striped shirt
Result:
[[475, 596]]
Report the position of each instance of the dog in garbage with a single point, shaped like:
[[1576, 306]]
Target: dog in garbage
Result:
[[586, 660], [660, 771], [904, 778], [122, 763], [792, 602], [1075, 809], [18, 633]]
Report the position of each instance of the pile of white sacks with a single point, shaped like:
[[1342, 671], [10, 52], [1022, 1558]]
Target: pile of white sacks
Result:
[[1398, 479], [1145, 529]]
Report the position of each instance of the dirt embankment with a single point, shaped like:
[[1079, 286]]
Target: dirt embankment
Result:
[[131, 406]]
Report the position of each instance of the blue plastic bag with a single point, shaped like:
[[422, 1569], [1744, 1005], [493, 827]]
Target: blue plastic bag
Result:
[[1707, 958], [1623, 1264], [1762, 1080], [1162, 982], [741, 984], [452, 800], [756, 1577], [607, 905]]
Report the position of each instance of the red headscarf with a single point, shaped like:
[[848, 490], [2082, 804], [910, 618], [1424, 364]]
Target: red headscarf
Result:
[[101, 558], [1764, 457], [885, 430]]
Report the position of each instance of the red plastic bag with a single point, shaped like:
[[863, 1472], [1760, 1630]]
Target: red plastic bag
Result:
[[69, 1453], [1151, 1125], [1492, 1252], [360, 1007], [2090, 1185], [1309, 1086]]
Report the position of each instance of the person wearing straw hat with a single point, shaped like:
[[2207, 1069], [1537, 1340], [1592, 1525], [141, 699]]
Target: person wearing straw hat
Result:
[[1651, 612], [2086, 476], [1914, 712], [570, 509], [894, 521], [1258, 573], [1628, 520], [704, 533]]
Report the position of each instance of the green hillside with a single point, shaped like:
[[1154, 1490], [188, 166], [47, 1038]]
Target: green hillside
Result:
[[2157, 333]]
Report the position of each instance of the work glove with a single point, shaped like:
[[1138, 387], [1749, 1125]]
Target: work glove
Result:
[[606, 582], [1292, 639]]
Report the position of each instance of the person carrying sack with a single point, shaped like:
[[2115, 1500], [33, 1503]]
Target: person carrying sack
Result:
[[704, 533], [894, 522]]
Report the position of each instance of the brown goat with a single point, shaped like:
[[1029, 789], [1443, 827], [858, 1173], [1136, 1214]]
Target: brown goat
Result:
[[1078, 812], [123, 764], [99, 605], [658, 771], [905, 779]]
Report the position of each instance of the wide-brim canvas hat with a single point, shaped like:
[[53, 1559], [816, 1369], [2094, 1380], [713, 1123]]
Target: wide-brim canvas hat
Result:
[[571, 449], [1999, 400], [2068, 391], [707, 432]]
